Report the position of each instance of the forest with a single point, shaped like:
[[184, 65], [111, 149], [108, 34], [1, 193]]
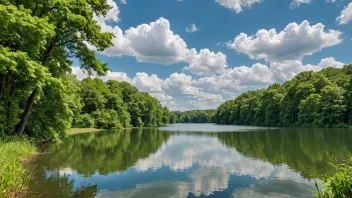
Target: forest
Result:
[[114, 104], [311, 99], [194, 116], [38, 95]]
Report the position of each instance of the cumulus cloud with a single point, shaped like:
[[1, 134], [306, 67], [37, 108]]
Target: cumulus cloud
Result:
[[192, 28], [292, 43], [286, 70], [346, 15], [206, 62], [296, 3], [237, 78], [157, 43], [182, 85], [148, 83], [237, 5], [111, 15]]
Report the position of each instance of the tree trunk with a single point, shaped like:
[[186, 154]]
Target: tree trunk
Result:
[[9, 108], [2, 86], [22, 124]]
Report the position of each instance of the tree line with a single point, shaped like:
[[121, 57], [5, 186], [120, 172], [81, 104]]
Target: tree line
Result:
[[114, 104], [39, 40], [194, 116], [311, 99]]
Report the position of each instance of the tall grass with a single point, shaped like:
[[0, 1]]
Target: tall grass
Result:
[[340, 184], [13, 177]]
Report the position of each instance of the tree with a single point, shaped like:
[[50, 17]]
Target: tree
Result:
[[332, 105], [59, 31], [309, 111]]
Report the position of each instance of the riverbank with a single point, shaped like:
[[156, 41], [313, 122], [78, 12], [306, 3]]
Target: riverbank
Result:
[[74, 131], [13, 177]]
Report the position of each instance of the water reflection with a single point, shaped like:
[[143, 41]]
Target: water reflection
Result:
[[152, 163]]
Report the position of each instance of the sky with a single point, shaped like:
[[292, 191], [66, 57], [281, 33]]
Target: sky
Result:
[[197, 54]]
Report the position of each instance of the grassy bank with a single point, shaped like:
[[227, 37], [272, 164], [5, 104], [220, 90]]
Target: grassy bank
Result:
[[74, 131], [13, 177]]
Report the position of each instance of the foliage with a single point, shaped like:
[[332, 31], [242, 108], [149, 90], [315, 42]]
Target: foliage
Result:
[[312, 99], [338, 185], [13, 177], [195, 116], [114, 104], [38, 95], [38, 40]]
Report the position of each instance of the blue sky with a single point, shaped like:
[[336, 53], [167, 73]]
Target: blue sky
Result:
[[230, 46]]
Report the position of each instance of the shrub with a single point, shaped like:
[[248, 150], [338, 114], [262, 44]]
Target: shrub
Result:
[[338, 185]]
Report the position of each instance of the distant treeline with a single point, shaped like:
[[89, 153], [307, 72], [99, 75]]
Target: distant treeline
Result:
[[114, 104], [195, 116], [314, 99]]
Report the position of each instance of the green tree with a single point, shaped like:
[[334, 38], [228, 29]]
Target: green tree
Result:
[[332, 105], [309, 111], [59, 31]]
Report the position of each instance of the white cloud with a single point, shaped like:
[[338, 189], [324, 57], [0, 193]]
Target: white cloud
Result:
[[79, 73], [258, 74], [148, 83], [124, 1], [112, 14], [296, 3], [237, 78], [156, 43], [192, 28], [206, 62], [330, 1], [346, 15], [330, 62], [180, 84], [237, 5], [292, 43], [286, 70], [119, 76]]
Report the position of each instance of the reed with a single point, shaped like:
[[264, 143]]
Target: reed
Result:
[[338, 185], [13, 177]]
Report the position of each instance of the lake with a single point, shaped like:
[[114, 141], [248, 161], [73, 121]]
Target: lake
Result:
[[189, 160]]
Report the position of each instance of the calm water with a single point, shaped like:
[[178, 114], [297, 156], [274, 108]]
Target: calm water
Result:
[[189, 160]]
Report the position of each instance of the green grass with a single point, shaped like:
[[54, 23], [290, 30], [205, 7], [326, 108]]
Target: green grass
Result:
[[338, 185], [82, 130], [13, 177]]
